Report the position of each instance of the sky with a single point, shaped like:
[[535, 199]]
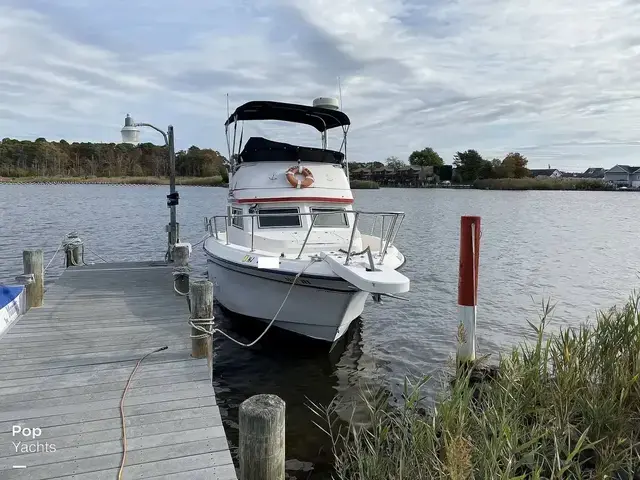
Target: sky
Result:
[[557, 80]]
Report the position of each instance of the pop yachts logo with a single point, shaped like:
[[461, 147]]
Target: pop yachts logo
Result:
[[26, 440]]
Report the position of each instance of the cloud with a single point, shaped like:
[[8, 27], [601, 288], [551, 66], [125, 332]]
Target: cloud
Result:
[[557, 81]]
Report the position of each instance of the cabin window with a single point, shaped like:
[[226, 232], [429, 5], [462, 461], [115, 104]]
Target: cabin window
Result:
[[236, 220], [278, 217], [330, 217]]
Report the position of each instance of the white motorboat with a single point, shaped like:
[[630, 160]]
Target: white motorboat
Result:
[[12, 305], [290, 252]]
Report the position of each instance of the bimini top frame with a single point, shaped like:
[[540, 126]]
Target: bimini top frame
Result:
[[322, 119]]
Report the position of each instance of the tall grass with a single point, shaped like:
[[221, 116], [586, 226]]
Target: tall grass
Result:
[[364, 184], [565, 407], [542, 184]]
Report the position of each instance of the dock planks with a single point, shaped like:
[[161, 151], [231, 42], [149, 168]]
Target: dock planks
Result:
[[64, 366]]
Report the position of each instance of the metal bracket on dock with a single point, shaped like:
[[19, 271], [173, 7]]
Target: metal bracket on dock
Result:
[[26, 278], [173, 199]]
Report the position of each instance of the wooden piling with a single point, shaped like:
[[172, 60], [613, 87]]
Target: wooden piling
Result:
[[73, 256], [468, 287], [181, 255], [201, 295], [74, 250], [262, 435], [181, 260], [33, 263]]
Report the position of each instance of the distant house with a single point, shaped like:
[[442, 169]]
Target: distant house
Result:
[[589, 173], [406, 175], [596, 173], [545, 173], [623, 175], [360, 174]]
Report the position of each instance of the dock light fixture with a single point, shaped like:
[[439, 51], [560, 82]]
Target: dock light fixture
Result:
[[131, 134]]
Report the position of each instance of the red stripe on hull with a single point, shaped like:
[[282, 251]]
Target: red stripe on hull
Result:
[[295, 199]]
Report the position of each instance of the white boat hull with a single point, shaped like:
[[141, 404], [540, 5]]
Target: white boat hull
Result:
[[317, 307], [12, 305]]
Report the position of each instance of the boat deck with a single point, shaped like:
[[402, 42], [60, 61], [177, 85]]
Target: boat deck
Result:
[[63, 369]]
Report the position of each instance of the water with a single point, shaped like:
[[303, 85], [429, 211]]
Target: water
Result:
[[577, 248]]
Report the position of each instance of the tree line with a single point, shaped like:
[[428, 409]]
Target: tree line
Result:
[[470, 165], [22, 158]]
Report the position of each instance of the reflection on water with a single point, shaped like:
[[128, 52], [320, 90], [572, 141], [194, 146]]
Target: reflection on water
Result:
[[298, 370]]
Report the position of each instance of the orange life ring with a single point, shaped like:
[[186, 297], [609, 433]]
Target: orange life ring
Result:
[[307, 181]]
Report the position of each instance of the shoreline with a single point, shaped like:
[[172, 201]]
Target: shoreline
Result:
[[513, 184], [215, 181]]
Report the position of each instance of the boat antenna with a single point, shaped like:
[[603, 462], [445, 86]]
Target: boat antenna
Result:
[[226, 132], [344, 132]]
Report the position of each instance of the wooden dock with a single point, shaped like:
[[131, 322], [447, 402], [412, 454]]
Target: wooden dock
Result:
[[63, 369]]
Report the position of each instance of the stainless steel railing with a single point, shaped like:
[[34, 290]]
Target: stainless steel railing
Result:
[[386, 237]]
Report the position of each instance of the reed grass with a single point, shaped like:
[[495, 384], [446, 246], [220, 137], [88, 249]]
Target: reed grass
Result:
[[364, 184], [542, 184], [201, 181], [565, 407]]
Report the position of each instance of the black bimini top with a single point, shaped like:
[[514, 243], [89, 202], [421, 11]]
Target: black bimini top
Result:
[[258, 149], [318, 117]]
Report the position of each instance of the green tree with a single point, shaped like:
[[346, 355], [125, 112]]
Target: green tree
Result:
[[496, 167], [425, 158], [42, 157], [514, 165], [471, 166], [394, 162]]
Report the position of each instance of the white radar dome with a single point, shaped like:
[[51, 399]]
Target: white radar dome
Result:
[[326, 102]]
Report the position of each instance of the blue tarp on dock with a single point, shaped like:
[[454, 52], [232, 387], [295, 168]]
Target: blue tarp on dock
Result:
[[8, 294]]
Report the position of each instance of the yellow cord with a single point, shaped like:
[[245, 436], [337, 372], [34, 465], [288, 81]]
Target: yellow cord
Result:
[[124, 427]]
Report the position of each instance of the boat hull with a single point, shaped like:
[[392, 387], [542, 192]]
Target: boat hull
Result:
[[12, 305], [317, 307]]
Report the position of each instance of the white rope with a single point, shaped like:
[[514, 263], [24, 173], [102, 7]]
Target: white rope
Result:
[[52, 258], [105, 261], [69, 241], [177, 272], [201, 241], [199, 324]]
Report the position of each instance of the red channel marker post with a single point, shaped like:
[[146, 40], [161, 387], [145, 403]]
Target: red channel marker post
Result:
[[468, 287]]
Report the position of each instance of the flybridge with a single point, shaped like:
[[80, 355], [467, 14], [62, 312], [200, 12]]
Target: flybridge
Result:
[[323, 115]]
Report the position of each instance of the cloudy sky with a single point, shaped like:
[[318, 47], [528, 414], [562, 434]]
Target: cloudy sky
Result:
[[558, 80]]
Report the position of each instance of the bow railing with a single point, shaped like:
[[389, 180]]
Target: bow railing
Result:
[[389, 224]]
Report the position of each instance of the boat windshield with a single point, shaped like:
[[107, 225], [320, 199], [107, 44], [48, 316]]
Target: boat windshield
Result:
[[279, 217], [330, 217]]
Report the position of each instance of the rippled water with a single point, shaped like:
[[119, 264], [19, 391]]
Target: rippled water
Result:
[[578, 248]]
